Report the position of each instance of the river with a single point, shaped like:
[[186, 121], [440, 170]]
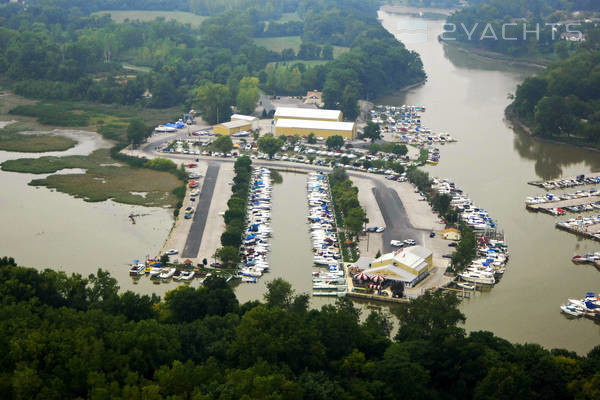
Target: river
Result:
[[466, 96]]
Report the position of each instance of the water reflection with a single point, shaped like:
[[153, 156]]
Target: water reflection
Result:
[[550, 158]]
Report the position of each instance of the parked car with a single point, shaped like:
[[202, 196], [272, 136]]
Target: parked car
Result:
[[396, 243], [410, 242], [432, 234], [453, 244], [171, 252], [380, 229]]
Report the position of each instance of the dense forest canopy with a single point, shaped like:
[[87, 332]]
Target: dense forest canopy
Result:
[[75, 337], [54, 49]]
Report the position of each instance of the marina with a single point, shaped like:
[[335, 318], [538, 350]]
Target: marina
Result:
[[580, 201], [587, 227], [563, 183], [588, 307]]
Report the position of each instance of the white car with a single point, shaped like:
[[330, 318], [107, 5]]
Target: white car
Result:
[[194, 193], [380, 229], [410, 242], [171, 252], [397, 243]]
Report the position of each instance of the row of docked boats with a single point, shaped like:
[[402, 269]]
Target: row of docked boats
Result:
[[490, 264], [564, 183], [155, 270], [553, 198], [477, 218], [255, 245], [579, 223], [589, 305], [591, 258], [323, 232], [321, 219]]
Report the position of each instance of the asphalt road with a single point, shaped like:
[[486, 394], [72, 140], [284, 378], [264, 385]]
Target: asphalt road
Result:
[[192, 244], [398, 226]]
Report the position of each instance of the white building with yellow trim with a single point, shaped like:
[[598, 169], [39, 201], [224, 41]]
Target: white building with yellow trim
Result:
[[410, 265], [324, 129], [313, 114]]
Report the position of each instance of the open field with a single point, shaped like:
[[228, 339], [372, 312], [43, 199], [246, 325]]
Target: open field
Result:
[[280, 43], [289, 17], [10, 140], [183, 17], [104, 179]]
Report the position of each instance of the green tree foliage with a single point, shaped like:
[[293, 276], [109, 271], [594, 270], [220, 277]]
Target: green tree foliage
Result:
[[248, 95], [224, 144], [371, 131], [311, 139], [270, 145], [229, 254], [215, 101], [395, 148], [466, 250], [70, 337], [334, 142]]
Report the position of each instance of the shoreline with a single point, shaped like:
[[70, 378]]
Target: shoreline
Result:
[[516, 124], [490, 55], [408, 10]]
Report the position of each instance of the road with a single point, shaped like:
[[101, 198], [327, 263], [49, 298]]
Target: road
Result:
[[192, 244], [398, 226]]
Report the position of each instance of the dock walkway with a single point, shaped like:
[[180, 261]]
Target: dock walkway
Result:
[[581, 201]]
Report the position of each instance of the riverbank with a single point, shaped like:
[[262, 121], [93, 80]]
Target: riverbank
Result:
[[533, 62], [423, 12], [13, 140], [516, 124]]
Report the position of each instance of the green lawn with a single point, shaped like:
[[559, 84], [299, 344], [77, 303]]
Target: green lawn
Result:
[[181, 16], [279, 43], [290, 42], [289, 17]]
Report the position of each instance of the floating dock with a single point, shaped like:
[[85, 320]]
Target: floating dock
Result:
[[590, 231], [564, 204], [567, 182]]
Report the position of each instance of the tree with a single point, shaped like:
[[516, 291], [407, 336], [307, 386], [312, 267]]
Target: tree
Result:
[[270, 145], [372, 131], [137, 132], [354, 220], [223, 144], [553, 118], [395, 148], [279, 293], [228, 255], [430, 316], [215, 101], [397, 288], [247, 96], [374, 148], [349, 103], [334, 142], [311, 139], [327, 53], [164, 259]]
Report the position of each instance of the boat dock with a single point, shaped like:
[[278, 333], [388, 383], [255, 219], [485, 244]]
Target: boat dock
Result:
[[563, 183], [551, 206], [588, 227]]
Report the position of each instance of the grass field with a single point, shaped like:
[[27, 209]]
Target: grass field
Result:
[[279, 43], [103, 179], [184, 17], [289, 17], [26, 143]]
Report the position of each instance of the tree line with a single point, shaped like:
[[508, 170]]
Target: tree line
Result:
[[75, 337]]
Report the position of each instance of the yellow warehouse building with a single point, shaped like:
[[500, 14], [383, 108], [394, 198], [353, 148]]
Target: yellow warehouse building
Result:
[[324, 129], [228, 128], [312, 114]]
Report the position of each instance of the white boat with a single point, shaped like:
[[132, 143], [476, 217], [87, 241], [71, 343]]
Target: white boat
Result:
[[571, 310], [187, 275], [466, 286], [484, 278], [155, 271], [167, 273]]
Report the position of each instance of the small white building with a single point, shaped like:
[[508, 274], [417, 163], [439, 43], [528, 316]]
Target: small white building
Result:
[[253, 120]]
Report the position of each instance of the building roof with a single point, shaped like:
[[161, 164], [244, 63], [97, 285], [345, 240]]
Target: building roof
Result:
[[413, 257], [312, 124], [451, 229], [391, 272], [314, 94], [243, 117], [363, 262], [235, 124], [300, 113]]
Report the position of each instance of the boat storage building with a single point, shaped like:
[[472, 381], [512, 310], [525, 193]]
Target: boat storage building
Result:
[[410, 265]]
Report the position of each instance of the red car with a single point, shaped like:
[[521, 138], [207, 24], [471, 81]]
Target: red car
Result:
[[191, 165]]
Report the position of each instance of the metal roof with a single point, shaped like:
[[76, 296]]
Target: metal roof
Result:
[[312, 124], [243, 117], [300, 113]]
